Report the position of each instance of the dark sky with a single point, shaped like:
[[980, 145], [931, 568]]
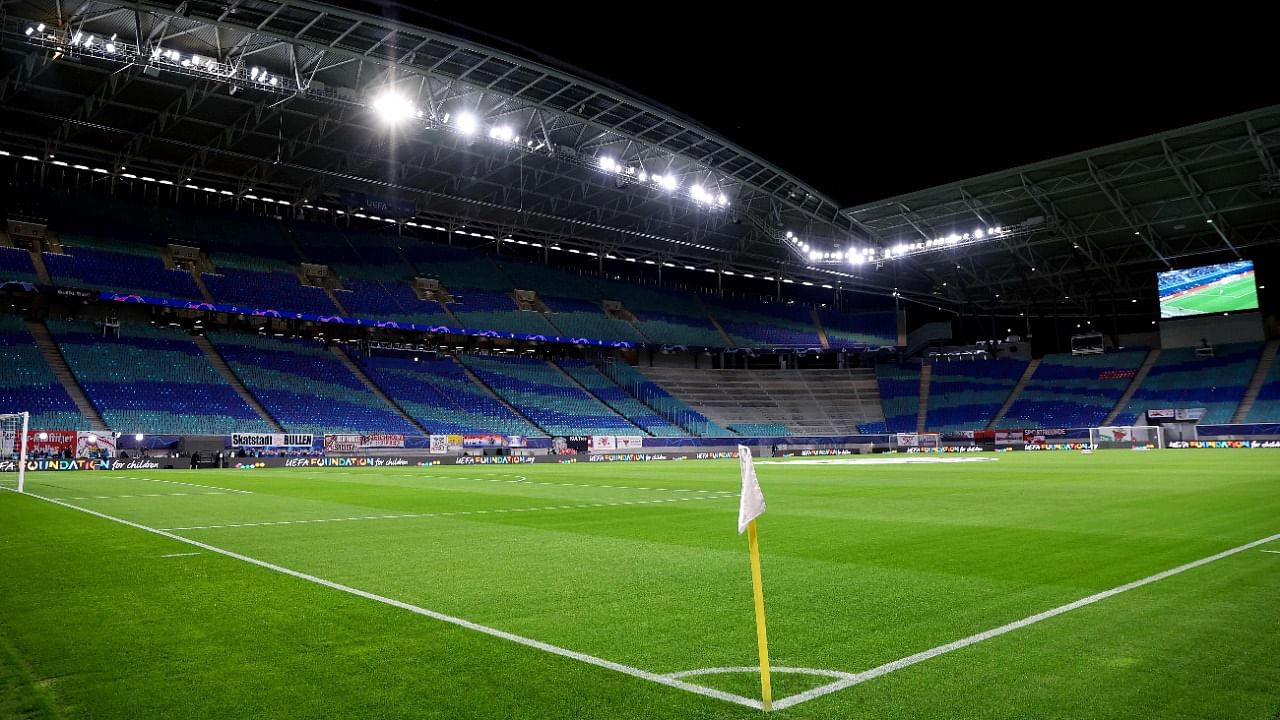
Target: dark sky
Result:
[[867, 106]]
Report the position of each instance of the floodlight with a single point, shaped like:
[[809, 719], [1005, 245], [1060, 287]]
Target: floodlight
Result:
[[467, 123], [40, 27], [790, 234], [607, 163], [978, 234], [953, 238], [392, 107], [814, 255], [111, 47], [29, 31], [722, 199], [501, 132], [698, 193], [669, 182], [138, 437], [274, 81], [642, 176]]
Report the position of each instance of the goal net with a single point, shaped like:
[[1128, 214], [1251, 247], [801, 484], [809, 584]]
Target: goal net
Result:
[[13, 445], [1127, 436], [918, 441]]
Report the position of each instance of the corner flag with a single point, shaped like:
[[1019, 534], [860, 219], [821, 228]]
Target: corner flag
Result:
[[750, 507]]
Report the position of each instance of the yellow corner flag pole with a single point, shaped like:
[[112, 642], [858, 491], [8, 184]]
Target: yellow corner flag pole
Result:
[[762, 636]]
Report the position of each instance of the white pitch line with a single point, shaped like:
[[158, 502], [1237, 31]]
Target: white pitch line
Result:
[[176, 482], [409, 516], [149, 495], [467, 624], [1273, 552], [919, 657], [173, 555]]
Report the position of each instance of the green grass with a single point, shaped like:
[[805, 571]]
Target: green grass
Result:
[[1239, 294], [863, 565]]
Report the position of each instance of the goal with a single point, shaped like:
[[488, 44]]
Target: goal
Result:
[[1127, 436], [13, 445], [917, 441]]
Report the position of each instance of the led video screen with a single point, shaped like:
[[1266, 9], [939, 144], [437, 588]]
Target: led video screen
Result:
[[1207, 289]]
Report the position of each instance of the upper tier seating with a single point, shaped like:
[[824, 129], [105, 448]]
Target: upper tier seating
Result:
[[615, 397], [1180, 379], [123, 272], [16, 266], [966, 395], [489, 310], [669, 317], [305, 387], [543, 394], [27, 384], [152, 380], [1073, 391], [393, 300], [578, 318], [874, 329], [756, 324], [264, 286]]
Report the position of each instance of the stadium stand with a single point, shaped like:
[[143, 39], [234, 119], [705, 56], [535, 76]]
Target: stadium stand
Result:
[[577, 318], [28, 384], [392, 300], [1073, 391], [759, 324], [1179, 379], [900, 393], [1266, 406], [16, 266], [869, 329], [548, 397], [479, 309], [139, 271], [668, 317], [966, 395], [437, 394], [663, 402], [152, 380], [809, 402], [609, 393], [264, 284], [305, 388]]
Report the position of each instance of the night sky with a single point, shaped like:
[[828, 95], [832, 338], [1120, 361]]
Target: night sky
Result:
[[865, 107]]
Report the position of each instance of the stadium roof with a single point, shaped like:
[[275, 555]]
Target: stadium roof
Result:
[[274, 99], [1091, 227], [181, 92]]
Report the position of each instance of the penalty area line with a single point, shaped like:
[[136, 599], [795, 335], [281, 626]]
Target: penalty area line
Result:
[[459, 622]]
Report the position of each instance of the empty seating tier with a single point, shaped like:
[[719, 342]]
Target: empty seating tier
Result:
[[1181, 379], [305, 387], [27, 384], [1073, 391], [966, 395], [545, 395], [152, 380]]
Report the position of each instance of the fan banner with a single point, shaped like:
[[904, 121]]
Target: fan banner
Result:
[[628, 442], [271, 440], [439, 444], [89, 444]]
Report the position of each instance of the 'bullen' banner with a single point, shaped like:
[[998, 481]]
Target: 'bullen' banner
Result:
[[271, 440]]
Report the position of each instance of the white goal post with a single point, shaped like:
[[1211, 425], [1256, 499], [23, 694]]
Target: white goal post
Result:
[[926, 441], [1127, 436], [13, 444]]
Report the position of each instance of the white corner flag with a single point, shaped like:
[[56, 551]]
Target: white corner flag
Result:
[[751, 505]]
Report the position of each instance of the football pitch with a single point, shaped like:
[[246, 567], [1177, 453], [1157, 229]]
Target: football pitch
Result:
[[1239, 294], [1014, 585]]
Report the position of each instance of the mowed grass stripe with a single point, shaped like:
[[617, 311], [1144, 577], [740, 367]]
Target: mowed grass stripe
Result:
[[862, 565]]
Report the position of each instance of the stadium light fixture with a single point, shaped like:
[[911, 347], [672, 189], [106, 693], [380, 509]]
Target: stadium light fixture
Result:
[[138, 437], [467, 123], [393, 107]]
